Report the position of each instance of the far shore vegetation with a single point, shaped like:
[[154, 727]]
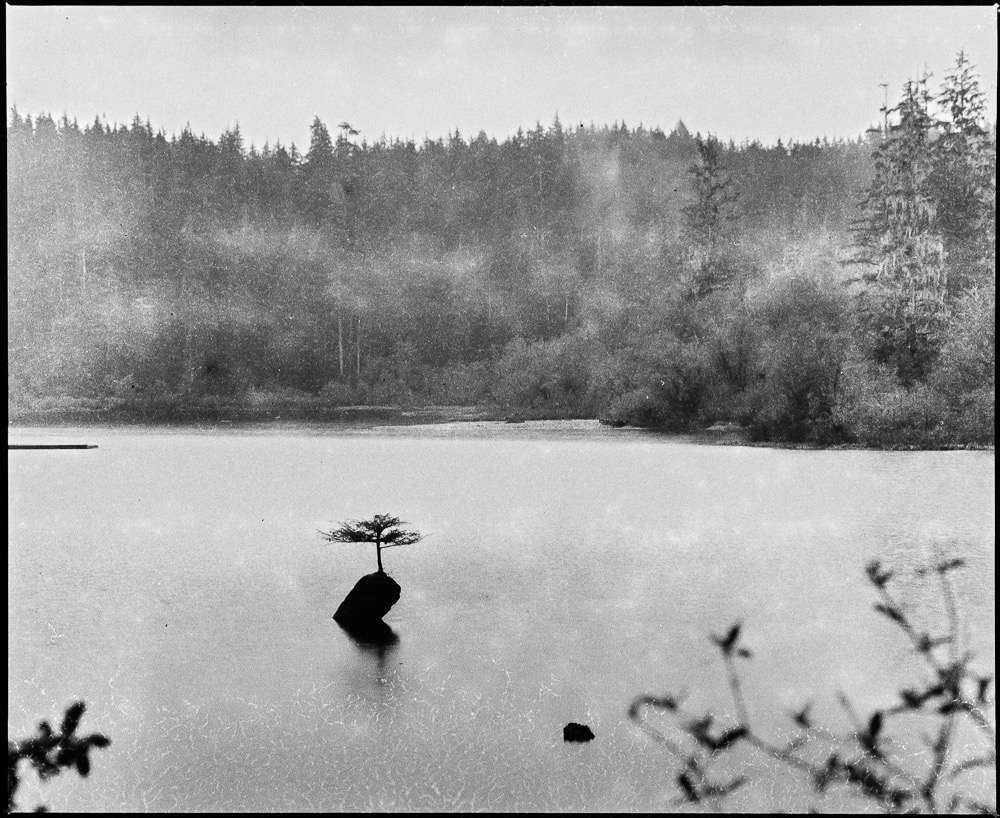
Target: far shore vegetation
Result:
[[838, 292]]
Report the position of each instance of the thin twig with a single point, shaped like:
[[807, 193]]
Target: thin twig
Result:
[[737, 691]]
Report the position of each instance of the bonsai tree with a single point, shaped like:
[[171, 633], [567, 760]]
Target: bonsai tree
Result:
[[382, 530]]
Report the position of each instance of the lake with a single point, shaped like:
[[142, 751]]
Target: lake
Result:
[[175, 580]]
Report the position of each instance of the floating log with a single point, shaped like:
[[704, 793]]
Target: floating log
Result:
[[50, 446]]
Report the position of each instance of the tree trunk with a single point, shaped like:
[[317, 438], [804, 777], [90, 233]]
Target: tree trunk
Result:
[[340, 344], [378, 556]]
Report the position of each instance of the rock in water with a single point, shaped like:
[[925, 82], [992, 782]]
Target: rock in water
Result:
[[577, 732], [369, 600]]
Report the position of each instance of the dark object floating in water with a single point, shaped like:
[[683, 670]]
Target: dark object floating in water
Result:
[[577, 732], [367, 602], [50, 446]]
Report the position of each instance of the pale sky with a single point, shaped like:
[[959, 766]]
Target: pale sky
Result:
[[762, 72]]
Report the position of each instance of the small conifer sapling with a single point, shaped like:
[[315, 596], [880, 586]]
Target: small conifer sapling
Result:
[[382, 531]]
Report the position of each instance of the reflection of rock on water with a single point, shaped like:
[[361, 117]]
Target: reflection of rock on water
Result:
[[375, 635], [360, 617], [373, 677]]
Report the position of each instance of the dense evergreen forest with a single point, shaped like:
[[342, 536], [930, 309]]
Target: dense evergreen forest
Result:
[[828, 291]]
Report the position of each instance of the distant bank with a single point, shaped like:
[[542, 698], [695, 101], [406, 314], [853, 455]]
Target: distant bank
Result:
[[226, 415], [85, 413]]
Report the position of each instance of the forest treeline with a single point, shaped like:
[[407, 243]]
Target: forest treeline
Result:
[[825, 291]]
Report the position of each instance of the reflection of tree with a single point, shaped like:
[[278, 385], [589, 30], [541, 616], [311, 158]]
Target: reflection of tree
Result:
[[377, 636]]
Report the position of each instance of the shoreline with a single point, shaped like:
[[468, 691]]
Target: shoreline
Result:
[[233, 415], [366, 418]]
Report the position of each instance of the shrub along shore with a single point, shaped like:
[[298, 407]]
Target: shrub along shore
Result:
[[275, 409]]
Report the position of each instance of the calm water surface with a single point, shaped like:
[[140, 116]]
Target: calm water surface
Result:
[[175, 580]]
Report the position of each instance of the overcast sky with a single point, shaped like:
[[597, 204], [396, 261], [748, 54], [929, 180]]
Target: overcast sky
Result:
[[738, 72]]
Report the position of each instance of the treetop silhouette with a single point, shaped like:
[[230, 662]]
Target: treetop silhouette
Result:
[[382, 531]]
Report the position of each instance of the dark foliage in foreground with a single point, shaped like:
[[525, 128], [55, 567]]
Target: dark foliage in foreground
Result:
[[50, 752], [865, 761]]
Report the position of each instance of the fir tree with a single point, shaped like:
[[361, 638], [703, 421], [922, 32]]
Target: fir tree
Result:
[[900, 239], [709, 219], [964, 178], [318, 174]]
